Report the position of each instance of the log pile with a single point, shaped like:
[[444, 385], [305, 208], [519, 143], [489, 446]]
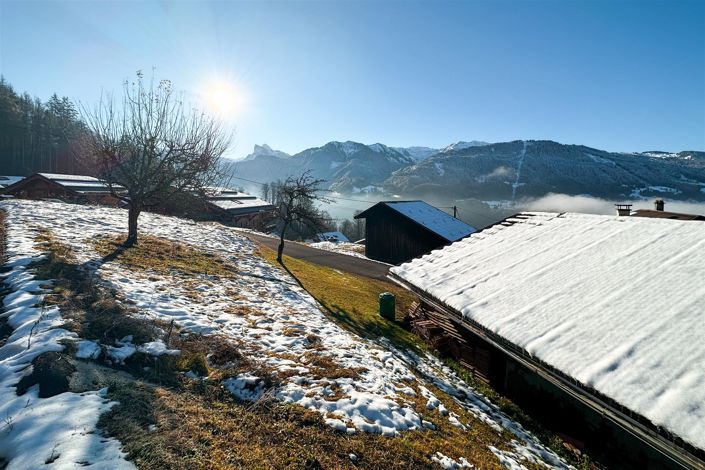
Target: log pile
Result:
[[449, 339]]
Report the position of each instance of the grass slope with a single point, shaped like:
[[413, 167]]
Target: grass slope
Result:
[[352, 301], [165, 420]]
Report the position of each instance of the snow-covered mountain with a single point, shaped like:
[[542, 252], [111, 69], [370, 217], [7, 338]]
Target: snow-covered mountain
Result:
[[346, 166], [514, 170], [502, 171]]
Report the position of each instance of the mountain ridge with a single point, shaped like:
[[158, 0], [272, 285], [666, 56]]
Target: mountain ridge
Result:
[[502, 171]]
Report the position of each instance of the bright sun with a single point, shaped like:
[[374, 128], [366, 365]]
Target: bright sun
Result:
[[222, 99]]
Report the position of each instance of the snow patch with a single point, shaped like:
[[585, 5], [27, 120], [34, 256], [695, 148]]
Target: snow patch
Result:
[[157, 348], [245, 386], [449, 464], [87, 349], [597, 159], [31, 432]]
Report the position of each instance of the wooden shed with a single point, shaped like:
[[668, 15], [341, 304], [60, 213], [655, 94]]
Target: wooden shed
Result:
[[397, 231]]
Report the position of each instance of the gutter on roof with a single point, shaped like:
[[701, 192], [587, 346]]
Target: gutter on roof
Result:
[[572, 387]]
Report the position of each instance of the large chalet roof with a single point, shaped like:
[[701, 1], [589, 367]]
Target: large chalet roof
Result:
[[80, 183], [428, 217], [237, 203], [616, 303]]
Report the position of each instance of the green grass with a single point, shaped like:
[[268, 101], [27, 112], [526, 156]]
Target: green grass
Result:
[[353, 301]]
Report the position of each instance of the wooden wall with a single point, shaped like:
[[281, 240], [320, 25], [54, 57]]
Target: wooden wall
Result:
[[583, 427], [392, 238]]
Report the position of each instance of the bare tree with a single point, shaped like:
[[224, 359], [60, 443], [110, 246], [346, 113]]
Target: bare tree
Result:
[[295, 204], [152, 145]]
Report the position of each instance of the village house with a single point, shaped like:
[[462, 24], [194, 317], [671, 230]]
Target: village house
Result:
[[221, 204], [659, 212], [396, 231], [241, 209], [334, 237], [69, 188], [594, 324]]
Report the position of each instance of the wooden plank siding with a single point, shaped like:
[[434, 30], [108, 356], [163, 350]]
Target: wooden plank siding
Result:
[[452, 340], [392, 238]]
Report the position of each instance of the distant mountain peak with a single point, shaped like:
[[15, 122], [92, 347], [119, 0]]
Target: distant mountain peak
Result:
[[266, 150]]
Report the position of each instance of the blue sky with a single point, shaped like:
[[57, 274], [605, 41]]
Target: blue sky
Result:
[[613, 75]]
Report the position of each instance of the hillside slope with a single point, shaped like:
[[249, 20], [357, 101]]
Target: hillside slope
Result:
[[512, 170], [233, 338]]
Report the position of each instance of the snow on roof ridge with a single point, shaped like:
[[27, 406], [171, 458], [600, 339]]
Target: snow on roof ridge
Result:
[[432, 219]]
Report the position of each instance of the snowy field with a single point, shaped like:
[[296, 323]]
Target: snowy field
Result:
[[615, 302], [344, 248], [378, 401]]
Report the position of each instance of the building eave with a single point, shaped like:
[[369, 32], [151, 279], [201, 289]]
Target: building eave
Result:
[[568, 385]]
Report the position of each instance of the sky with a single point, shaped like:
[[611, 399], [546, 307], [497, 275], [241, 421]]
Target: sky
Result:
[[615, 75]]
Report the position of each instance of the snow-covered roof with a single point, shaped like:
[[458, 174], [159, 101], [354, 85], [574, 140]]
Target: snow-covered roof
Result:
[[235, 201], [617, 303], [56, 176], [249, 203], [6, 181], [79, 183], [433, 219], [332, 236]]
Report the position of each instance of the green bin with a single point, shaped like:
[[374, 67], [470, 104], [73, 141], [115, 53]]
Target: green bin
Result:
[[387, 305]]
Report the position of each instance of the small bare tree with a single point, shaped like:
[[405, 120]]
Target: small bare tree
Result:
[[151, 146], [295, 204]]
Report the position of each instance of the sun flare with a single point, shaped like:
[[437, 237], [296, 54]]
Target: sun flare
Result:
[[222, 98]]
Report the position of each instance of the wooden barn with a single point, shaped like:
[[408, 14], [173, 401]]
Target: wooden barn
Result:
[[242, 209], [69, 188], [592, 324], [222, 205], [397, 231]]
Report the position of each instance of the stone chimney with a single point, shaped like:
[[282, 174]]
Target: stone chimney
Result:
[[658, 203], [624, 209]]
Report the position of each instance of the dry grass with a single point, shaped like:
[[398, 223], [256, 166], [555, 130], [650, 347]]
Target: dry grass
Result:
[[202, 426], [161, 256], [164, 420]]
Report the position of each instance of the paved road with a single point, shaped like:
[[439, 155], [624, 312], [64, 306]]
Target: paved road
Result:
[[350, 264]]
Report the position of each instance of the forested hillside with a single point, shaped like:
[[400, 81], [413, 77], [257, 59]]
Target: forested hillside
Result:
[[37, 136]]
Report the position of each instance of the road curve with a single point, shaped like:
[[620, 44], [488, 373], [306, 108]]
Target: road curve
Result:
[[350, 264]]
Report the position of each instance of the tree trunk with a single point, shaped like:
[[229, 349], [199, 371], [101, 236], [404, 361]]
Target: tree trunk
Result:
[[132, 215], [280, 250]]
